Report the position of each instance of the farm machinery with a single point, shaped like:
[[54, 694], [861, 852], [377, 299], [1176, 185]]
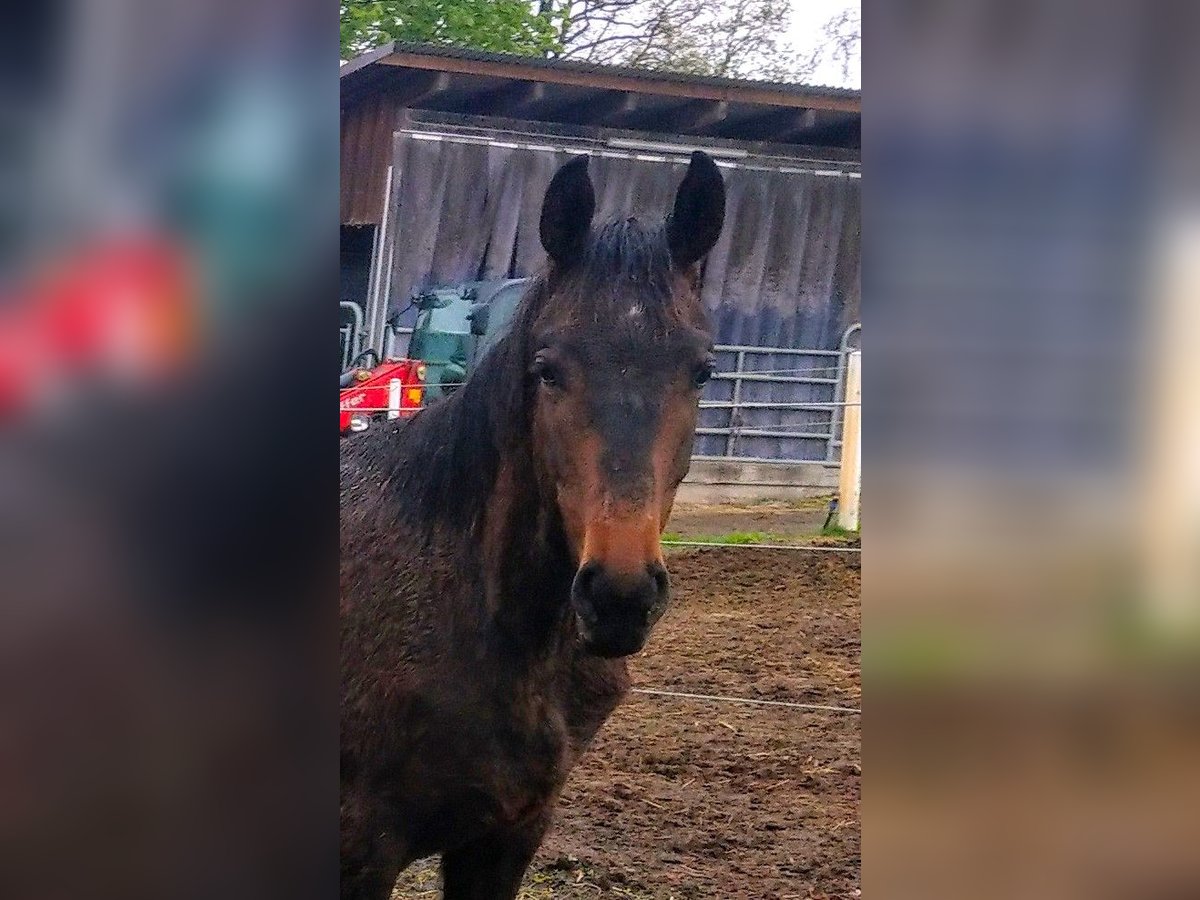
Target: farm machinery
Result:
[[389, 389], [453, 328], [120, 311]]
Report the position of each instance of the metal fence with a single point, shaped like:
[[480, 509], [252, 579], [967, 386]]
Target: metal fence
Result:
[[352, 330], [775, 404], [764, 404]]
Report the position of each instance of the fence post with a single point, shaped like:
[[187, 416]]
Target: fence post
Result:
[[850, 480], [1168, 481]]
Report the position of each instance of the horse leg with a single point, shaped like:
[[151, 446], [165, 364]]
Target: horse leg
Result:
[[371, 859], [492, 868], [368, 883]]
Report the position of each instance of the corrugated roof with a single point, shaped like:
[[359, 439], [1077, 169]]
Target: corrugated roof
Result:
[[446, 51]]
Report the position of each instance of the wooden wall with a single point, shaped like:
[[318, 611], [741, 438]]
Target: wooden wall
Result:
[[785, 272]]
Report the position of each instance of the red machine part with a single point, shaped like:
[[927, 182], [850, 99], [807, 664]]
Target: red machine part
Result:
[[393, 389], [118, 306]]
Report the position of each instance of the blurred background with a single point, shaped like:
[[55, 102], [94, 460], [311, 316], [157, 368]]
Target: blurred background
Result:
[[1032, 473], [167, 477], [168, 252]]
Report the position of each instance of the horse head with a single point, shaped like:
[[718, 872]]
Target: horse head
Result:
[[619, 350]]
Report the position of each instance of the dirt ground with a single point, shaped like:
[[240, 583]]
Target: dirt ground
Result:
[[785, 520], [683, 798]]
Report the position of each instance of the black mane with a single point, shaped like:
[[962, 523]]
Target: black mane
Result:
[[621, 254]]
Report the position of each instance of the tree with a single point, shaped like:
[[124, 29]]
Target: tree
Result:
[[510, 26], [840, 44], [732, 38], [704, 37]]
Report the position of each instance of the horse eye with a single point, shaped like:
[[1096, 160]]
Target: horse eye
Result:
[[703, 374], [545, 372]]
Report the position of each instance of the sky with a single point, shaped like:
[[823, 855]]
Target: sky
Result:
[[808, 18]]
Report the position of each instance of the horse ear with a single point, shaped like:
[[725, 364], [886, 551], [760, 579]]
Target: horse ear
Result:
[[567, 212], [695, 223]]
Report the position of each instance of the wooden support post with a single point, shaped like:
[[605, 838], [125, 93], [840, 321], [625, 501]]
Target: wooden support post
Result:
[[1169, 536], [850, 480]]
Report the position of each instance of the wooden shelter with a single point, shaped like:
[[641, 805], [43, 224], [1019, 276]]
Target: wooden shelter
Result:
[[446, 154]]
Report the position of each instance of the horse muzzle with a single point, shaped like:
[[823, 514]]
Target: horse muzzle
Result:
[[616, 610]]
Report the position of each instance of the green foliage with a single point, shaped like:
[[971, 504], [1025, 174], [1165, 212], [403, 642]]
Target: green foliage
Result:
[[508, 26], [732, 537], [836, 531], [745, 537], [831, 536]]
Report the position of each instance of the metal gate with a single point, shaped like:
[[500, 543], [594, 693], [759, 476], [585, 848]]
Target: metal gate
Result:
[[802, 422], [353, 338], [775, 404]]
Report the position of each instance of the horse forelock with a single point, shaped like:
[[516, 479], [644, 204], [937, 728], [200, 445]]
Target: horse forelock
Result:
[[623, 282]]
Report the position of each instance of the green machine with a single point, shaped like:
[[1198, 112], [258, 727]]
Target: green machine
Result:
[[442, 340], [456, 326]]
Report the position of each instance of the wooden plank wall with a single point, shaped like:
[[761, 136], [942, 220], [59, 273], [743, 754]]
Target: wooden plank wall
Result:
[[366, 151], [785, 272]]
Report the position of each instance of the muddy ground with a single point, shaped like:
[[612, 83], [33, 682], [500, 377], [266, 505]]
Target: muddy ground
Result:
[[682, 798]]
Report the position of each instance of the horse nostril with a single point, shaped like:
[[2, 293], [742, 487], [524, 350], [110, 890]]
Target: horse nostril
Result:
[[599, 587], [587, 574], [586, 578], [662, 580]]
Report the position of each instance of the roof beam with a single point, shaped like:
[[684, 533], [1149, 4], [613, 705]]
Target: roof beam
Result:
[[604, 108], [742, 92], [837, 130], [688, 117], [769, 125], [365, 59], [418, 89], [514, 99]]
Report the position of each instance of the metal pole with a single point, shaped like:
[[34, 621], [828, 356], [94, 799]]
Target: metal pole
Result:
[[735, 413], [384, 331], [355, 331], [376, 316], [838, 418]]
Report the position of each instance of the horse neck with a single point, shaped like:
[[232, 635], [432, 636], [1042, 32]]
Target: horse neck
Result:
[[527, 566], [507, 523]]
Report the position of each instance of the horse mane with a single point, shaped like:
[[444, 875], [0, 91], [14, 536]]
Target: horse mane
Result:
[[444, 462], [625, 253], [449, 454]]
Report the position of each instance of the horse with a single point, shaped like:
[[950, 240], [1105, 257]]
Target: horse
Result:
[[501, 551]]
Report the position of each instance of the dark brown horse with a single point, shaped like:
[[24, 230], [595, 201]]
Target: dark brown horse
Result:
[[500, 552]]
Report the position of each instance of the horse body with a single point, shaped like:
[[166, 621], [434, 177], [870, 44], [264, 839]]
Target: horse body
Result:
[[500, 553], [455, 730]]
